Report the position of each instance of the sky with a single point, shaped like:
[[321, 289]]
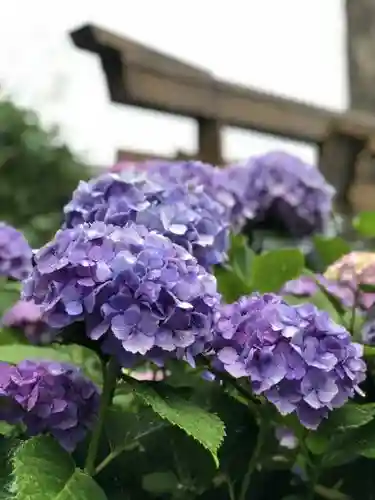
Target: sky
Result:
[[294, 48]]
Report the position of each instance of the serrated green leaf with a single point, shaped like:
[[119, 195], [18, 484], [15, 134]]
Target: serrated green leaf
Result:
[[330, 249], [205, 427], [42, 470], [364, 223], [160, 483], [272, 269]]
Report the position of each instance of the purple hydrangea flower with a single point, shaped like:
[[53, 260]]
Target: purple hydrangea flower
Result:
[[186, 214], [280, 188], [48, 397], [137, 292], [26, 316], [15, 253], [296, 356]]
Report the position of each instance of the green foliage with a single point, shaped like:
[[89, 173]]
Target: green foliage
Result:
[[160, 483], [42, 470], [203, 426], [330, 249], [246, 272], [364, 223], [9, 294], [272, 269], [37, 174]]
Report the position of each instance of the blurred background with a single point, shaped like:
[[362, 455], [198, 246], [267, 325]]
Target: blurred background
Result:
[[292, 48], [316, 52]]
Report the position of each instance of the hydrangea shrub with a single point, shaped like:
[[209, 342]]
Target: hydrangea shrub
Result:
[[145, 354]]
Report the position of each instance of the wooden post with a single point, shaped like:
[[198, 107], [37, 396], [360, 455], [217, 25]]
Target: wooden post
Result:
[[209, 141], [360, 16], [339, 154]]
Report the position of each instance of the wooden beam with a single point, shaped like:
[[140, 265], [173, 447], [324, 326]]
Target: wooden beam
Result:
[[146, 78]]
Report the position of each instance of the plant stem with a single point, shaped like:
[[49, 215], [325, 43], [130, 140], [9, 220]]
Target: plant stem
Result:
[[230, 488], [254, 459], [110, 372], [353, 315], [107, 460]]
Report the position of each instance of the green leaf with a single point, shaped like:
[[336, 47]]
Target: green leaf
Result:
[[349, 416], [271, 270], [9, 294], [15, 353], [125, 428], [9, 336], [345, 446], [160, 483], [42, 470], [205, 427], [366, 287], [330, 249], [364, 223], [230, 285], [317, 442], [241, 257], [369, 351], [77, 355]]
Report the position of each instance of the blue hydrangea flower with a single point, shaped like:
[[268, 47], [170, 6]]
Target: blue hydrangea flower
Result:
[[15, 253], [187, 214], [137, 292], [48, 397], [296, 356], [280, 190]]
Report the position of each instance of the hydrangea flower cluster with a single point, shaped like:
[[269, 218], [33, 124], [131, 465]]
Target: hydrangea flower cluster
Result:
[[296, 356], [185, 214], [198, 174], [15, 253], [352, 270], [27, 317], [137, 292], [49, 398], [280, 189], [307, 286]]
